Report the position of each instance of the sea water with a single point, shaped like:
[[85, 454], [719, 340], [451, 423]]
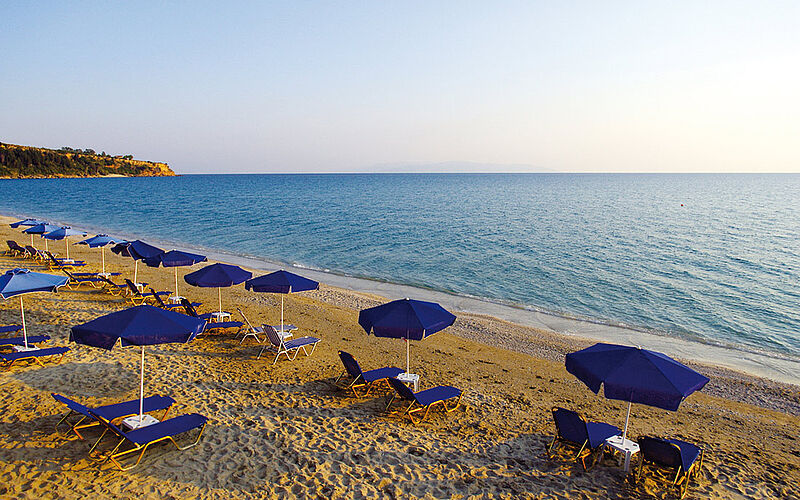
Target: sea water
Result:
[[711, 258]]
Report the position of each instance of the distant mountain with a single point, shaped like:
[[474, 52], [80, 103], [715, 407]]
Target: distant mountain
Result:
[[18, 162], [457, 167]]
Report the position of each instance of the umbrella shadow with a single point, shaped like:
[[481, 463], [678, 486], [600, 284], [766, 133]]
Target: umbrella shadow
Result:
[[97, 379]]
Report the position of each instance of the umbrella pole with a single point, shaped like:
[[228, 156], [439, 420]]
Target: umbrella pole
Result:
[[176, 281], [46, 247], [141, 390], [24, 331], [31, 239], [66, 245], [282, 312], [219, 291], [627, 417], [135, 270], [408, 356], [103, 256]]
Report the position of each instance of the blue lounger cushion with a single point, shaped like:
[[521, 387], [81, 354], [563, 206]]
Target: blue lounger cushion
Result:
[[217, 325], [599, 432], [380, 373], [116, 410], [689, 452], [441, 393], [32, 339], [9, 358], [36, 353], [301, 342], [170, 427], [10, 328]]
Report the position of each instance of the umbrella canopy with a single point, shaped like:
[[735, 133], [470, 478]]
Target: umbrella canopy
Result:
[[635, 375], [21, 281], [63, 233], [42, 228], [27, 222], [140, 325], [218, 275], [175, 258], [281, 282], [137, 250], [100, 241], [405, 319]]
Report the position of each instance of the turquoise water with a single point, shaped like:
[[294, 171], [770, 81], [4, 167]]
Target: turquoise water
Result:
[[714, 258]]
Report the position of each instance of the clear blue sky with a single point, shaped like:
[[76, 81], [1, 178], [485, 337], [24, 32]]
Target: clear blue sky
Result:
[[358, 86]]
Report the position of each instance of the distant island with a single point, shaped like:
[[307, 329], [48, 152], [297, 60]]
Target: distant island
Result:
[[25, 162]]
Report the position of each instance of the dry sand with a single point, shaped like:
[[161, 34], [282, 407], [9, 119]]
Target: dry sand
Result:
[[287, 431]]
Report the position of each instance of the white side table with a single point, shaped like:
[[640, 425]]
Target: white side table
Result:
[[176, 299], [134, 423], [220, 316], [409, 378], [628, 447]]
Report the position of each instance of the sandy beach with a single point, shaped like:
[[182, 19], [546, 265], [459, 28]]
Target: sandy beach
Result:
[[286, 430]]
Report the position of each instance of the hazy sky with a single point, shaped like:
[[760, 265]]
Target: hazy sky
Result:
[[362, 86]]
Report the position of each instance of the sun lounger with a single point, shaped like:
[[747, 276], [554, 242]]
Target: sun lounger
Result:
[[76, 280], [211, 326], [112, 288], [32, 339], [140, 439], [367, 379], [189, 307], [10, 328], [290, 348], [33, 355], [36, 254], [138, 298], [424, 400], [250, 331], [683, 460], [574, 430], [112, 412], [160, 302], [54, 263], [15, 250]]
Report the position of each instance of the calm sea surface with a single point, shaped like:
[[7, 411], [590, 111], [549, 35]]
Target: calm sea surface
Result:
[[714, 258]]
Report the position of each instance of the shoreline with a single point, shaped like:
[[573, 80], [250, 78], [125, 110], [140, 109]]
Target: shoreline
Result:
[[772, 366]]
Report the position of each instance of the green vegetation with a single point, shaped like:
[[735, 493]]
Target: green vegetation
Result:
[[26, 162]]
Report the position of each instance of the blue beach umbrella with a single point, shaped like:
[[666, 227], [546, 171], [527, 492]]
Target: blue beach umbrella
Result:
[[63, 233], [21, 281], [40, 229], [218, 276], [282, 282], [137, 250], [634, 375], [141, 325], [405, 319], [100, 241], [27, 222], [175, 258]]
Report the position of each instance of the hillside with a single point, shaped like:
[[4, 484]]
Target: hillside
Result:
[[29, 162]]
